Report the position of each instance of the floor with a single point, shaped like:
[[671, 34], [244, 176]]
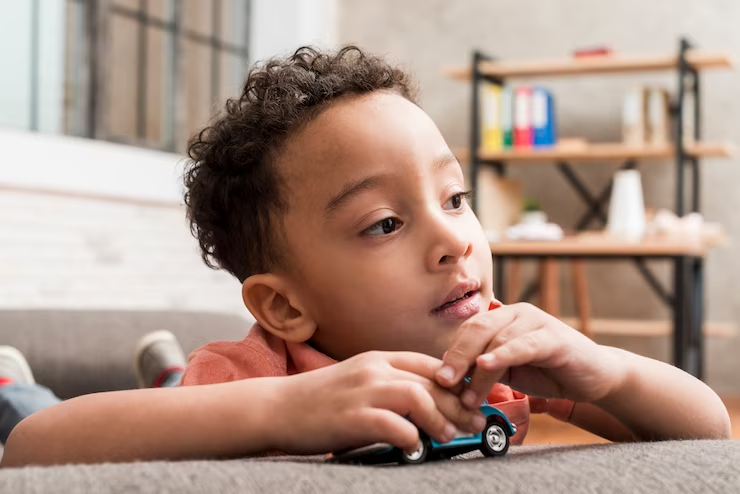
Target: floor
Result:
[[547, 430]]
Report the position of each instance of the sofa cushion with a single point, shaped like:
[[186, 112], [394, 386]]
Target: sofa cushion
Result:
[[688, 466], [78, 352]]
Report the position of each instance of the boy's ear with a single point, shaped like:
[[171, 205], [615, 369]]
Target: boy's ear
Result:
[[276, 308]]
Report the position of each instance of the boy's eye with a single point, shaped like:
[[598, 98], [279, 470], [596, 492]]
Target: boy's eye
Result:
[[384, 227], [456, 201]]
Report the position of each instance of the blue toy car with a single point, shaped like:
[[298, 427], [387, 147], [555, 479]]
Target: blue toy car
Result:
[[492, 441]]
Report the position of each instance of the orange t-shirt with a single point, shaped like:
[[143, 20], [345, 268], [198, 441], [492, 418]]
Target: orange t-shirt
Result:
[[261, 354]]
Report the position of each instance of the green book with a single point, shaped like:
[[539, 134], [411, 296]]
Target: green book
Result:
[[507, 116]]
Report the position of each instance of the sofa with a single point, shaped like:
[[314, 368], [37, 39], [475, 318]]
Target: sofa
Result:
[[76, 352]]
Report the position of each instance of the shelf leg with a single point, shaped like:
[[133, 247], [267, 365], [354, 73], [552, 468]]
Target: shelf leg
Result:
[[696, 347], [499, 277], [680, 320]]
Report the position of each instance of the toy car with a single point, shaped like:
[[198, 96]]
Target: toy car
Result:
[[492, 441]]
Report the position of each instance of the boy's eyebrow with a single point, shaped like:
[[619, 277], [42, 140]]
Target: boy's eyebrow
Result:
[[443, 160], [368, 183], [352, 189]]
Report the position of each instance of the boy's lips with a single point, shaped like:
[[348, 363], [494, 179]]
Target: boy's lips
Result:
[[462, 302]]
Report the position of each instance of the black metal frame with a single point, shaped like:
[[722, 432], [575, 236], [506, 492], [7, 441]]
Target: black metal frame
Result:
[[175, 28], [687, 300]]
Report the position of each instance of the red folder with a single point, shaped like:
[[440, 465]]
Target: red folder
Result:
[[523, 134]]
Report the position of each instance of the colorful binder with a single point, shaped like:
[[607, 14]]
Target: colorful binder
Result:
[[507, 116], [492, 139], [523, 117], [543, 117]]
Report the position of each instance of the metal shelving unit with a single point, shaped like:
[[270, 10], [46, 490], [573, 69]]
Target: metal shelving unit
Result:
[[687, 298]]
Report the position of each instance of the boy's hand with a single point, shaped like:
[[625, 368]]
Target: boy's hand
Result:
[[533, 352], [364, 400]]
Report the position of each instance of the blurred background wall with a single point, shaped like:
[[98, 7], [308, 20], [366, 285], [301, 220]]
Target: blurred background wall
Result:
[[426, 35]]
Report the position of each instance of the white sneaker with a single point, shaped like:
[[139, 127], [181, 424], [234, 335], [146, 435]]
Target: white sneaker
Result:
[[157, 355], [14, 366]]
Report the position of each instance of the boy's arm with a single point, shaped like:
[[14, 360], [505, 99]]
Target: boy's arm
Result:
[[655, 401], [653, 405], [353, 403], [593, 419], [146, 424]]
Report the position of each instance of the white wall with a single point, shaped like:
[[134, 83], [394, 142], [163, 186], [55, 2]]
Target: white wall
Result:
[[279, 27], [71, 253], [82, 166], [90, 224]]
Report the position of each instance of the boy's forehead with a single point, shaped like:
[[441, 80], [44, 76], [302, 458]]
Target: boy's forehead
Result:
[[354, 135]]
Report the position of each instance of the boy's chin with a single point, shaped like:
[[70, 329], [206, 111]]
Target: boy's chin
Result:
[[438, 346]]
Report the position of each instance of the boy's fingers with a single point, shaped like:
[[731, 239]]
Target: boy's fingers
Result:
[[480, 385], [472, 339], [528, 349], [452, 408], [461, 355], [428, 383], [417, 367], [492, 365], [389, 427], [446, 401], [413, 400], [416, 363]]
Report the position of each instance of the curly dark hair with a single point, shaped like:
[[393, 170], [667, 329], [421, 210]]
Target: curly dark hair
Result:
[[232, 188]]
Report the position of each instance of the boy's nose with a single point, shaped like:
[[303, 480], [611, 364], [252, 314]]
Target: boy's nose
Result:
[[449, 245], [452, 259]]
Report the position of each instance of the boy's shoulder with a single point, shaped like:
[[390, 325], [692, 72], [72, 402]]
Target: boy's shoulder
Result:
[[259, 354]]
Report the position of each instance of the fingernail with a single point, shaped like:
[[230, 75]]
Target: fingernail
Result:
[[449, 433], [486, 359], [446, 373], [479, 422], [468, 398]]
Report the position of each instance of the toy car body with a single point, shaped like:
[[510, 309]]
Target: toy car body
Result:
[[492, 441]]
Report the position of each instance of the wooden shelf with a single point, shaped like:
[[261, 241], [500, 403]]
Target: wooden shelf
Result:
[[600, 245], [601, 152], [620, 327], [609, 64]]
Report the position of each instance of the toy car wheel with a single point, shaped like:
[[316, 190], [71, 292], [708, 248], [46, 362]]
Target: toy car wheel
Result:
[[420, 454], [495, 440]]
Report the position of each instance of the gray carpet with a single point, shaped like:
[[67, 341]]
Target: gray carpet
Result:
[[672, 467]]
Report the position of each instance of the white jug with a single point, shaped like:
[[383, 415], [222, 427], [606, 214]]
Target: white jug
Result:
[[627, 206]]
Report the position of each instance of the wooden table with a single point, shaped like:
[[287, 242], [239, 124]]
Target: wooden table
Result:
[[686, 302]]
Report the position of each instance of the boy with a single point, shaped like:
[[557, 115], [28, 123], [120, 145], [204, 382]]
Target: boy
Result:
[[336, 202], [361, 400]]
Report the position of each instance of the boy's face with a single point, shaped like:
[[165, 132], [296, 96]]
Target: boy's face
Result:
[[383, 248]]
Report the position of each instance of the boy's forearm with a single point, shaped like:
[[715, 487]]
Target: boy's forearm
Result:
[[657, 401], [180, 423]]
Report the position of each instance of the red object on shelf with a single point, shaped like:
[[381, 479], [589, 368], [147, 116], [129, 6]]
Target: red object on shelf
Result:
[[594, 51], [523, 134]]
